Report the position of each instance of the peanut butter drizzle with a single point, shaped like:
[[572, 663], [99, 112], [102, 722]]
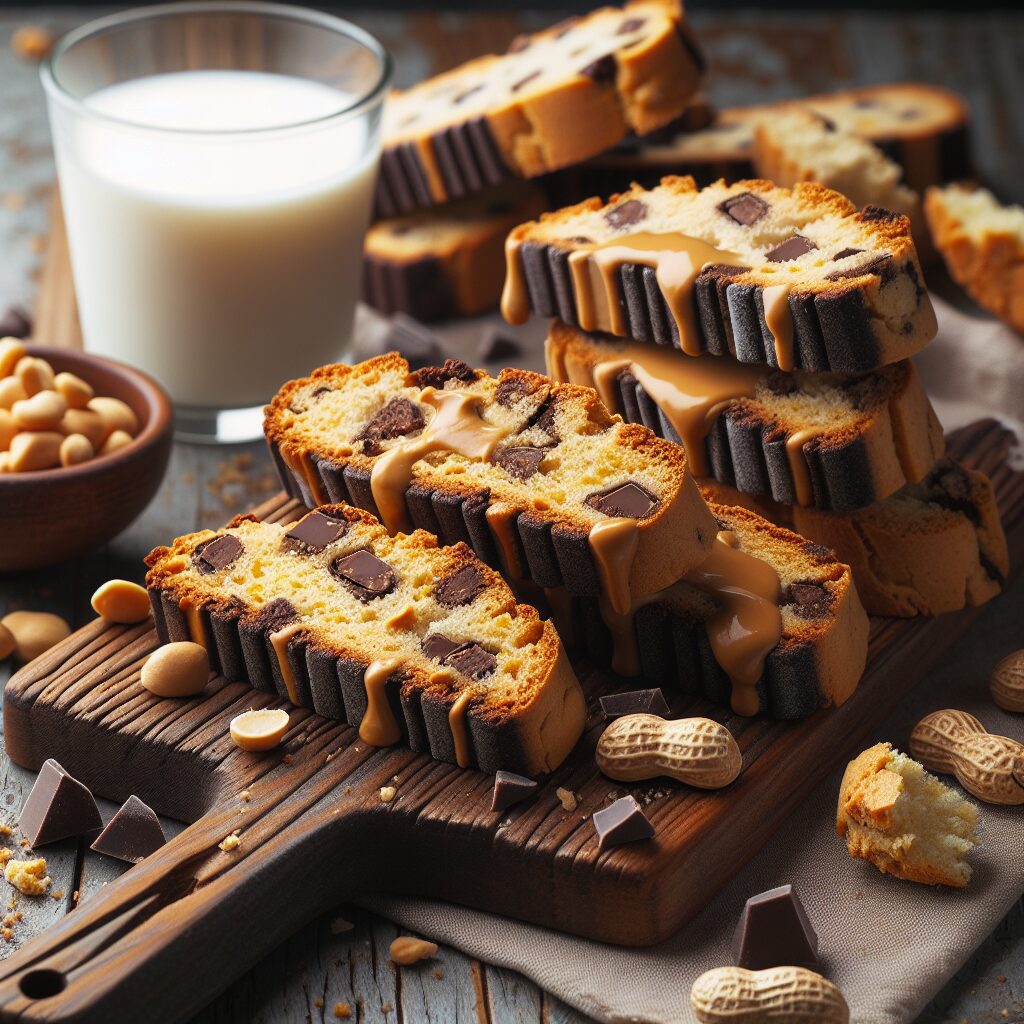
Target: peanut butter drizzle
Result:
[[779, 318], [456, 427], [677, 261], [378, 727], [803, 489], [457, 724], [515, 297], [279, 641], [194, 620], [499, 519], [614, 543]]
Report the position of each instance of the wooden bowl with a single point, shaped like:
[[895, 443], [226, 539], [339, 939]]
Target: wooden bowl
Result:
[[55, 514]]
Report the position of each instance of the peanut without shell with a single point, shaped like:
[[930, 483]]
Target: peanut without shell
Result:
[[121, 601], [116, 414], [34, 632], [12, 351], [35, 375], [955, 743], [11, 391], [732, 995], [407, 949], [43, 411], [75, 449], [1007, 682], [8, 428], [35, 450], [75, 391], [180, 669], [118, 439], [697, 751]]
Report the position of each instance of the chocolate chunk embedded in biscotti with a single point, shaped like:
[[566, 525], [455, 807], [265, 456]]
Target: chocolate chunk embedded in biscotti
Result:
[[793, 278], [537, 477], [820, 440], [404, 639]]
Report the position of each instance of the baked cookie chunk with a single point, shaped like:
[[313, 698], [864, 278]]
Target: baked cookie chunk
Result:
[[538, 478], [794, 278], [409, 641], [905, 821], [771, 624], [982, 243], [554, 98], [449, 260], [833, 442]]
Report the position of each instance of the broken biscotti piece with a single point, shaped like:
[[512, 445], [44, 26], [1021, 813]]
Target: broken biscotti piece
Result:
[[402, 638], [905, 821], [445, 261], [821, 440], [794, 278], [554, 98], [982, 243], [538, 478], [769, 624]]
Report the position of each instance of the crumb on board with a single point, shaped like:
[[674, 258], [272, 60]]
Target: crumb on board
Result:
[[340, 925], [234, 485], [229, 843], [57, 894], [438, 973], [5, 855], [387, 794], [24, 843], [5, 830], [342, 1011], [31, 42], [245, 795], [318, 1003], [29, 877], [567, 797]]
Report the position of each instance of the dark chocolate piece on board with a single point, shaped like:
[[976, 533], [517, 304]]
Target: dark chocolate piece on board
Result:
[[635, 702], [510, 789], [216, 553], [471, 660], [792, 248], [460, 588], [368, 576], [496, 344], [629, 500], [437, 646], [622, 822], [315, 531], [58, 807], [745, 208], [774, 931], [15, 322], [411, 340], [132, 834], [520, 461]]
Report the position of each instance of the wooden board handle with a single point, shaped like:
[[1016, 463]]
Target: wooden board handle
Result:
[[145, 946]]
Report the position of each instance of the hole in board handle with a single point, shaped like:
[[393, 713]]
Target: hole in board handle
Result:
[[42, 983]]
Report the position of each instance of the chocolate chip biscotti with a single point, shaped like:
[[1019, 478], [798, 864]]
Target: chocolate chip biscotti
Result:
[[833, 442], [794, 278], [406, 640], [538, 478], [554, 98]]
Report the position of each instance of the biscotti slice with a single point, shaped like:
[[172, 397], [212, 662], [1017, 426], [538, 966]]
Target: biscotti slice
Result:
[[538, 478], [406, 640], [448, 260], [932, 547], [555, 98], [903, 820], [834, 442], [793, 278], [771, 624], [982, 243]]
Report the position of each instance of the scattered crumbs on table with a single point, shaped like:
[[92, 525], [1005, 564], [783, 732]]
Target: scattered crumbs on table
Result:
[[568, 798], [1001, 978], [29, 877], [348, 791], [57, 894], [231, 842], [343, 1011], [245, 795], [24, 842], [387, 794], [287, 758], [5, 830], [75, 895], [318, 1003], [438, 973], [5, 855], [234, 485], [387, 1007]]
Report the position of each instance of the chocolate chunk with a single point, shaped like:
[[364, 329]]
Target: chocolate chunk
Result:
[[15, 323], [745, 208], [367, 575], [630, 25], [843, 253], [437, 646], [316, 530], [601, 70], [774, 931], [794, 247], [412, 341], [216, 553], [437, 376], [812, 600], [58, 807], [510, 789], [630, 212], [581, 239], [397, 419], [460, 588], [635, 702], [628, 501], [471, 660], [496, 344], [622, 822], [870, 266], [132, 834], [878, 215], [544, 419], [467, 93], [521, 462], [516, 86]]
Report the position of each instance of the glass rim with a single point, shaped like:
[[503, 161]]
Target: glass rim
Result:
[[57, 91]]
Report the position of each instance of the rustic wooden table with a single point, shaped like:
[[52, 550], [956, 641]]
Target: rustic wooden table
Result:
[[753, 57]]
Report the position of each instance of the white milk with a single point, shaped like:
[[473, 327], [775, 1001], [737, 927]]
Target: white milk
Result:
[[223, 265]]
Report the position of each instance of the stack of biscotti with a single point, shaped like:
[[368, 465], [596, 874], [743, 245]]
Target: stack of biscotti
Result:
[[553, 99], [545, 484], [768, 330]]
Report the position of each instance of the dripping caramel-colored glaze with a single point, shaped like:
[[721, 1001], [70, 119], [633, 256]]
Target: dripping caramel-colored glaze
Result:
[[279, 641], [457, 724], [614, 543], [500, 520], [194, 619], [379, 727], [779, 319]]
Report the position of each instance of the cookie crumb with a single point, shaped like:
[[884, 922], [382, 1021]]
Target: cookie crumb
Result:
[[5, 830], [438, 973], [568, 798], [245, 795], [7, 933], [28, 876], [31, 42], [57, 894], [342, 1011], [5, 855], [318, 1003], [387, 794], [229, 843]]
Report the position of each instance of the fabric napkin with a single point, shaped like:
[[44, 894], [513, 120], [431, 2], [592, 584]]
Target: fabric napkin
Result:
[[888, 944]]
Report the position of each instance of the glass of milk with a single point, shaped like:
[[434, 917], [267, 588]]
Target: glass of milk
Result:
[[216, 165]]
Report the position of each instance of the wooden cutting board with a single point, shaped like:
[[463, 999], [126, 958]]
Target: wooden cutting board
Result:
[[164, 938]]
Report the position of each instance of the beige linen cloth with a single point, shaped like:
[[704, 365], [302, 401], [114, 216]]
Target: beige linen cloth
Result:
[[889, 945]]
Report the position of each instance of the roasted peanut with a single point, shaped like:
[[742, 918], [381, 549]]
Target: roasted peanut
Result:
[[75, 449], [43, 411], [35, 375], [696, 751], [181, 669], [75, 391], [87, 423], [115, 442], [732, 995], [12, 351], [407, 950], [35, 450], [8, 428], [122, 601], [259, 730], [1007, 682], [117, 415], [11, 391], [956, 743], [34, 632]]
